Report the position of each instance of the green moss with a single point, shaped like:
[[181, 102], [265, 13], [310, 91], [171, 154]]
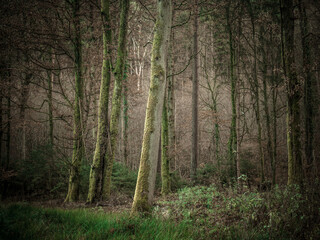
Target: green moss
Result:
[[145, 180]]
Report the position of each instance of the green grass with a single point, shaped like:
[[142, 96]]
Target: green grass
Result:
[[22, 221]]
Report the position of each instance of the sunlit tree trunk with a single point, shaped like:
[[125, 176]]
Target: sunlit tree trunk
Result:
[[95, 178], [143, 196], [116, 98], [295, 171], [77, 155]]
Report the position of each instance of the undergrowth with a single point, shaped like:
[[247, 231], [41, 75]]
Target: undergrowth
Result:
[[237, 213]]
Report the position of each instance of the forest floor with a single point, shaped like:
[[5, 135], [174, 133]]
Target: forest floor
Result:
[[199, 212]]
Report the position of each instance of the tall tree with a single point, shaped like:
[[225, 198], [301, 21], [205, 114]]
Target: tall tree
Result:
[[143, 196], [256, 89], [77, 155], [116, 97], [194, 139], [295, 170], [96, 172], [233, 129], [309, 91]]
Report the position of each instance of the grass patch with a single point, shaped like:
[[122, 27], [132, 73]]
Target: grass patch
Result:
[[22, 221]]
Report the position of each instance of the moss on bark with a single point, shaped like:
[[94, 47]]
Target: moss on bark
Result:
[[95, 179], [116, 98], [150, 146]]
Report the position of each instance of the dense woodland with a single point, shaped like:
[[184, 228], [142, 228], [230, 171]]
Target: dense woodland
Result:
[[198, 118]]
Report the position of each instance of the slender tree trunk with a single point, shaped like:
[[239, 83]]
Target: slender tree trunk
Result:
[[116, 97], [195, 143], [257, 94], [295, 172], [265, 102], [96, 171], [165, 161], [274, 115], [143, 196], [309, 92], [232, 148], [8, 140], [77, 155], [22, 114], [125, 117], [171, 104]]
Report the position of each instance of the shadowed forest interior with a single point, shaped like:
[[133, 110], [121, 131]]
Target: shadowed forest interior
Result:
[[159, 119]]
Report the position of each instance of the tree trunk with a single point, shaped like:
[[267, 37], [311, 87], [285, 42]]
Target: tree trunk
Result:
[[77, 155], [165, 161], [295, 172], [194, 139], [150, 146], [171, 104], [116, 98], [96, 172], [265, 99], [256, 93], [125, 118], [309, 92], [232, 148]]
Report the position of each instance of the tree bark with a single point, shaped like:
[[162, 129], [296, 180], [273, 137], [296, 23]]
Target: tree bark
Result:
[[232, 148], [77, 155], [295, 172], [116, 98], [309, 91], [96, 171], [150, 146], [194, 139]]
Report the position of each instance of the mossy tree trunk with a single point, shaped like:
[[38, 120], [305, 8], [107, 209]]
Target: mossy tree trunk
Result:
[[77, 155], [143, 196], [96, 171], [194, 137], [232, 145], [295, 170], [116, 98]]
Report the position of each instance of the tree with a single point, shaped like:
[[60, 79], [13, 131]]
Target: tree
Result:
[[233, 129], [143, 196], [309, 89], [195, 144], [256, 90], [116, 97], [96, 172], [77, 155], [295, 170]]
